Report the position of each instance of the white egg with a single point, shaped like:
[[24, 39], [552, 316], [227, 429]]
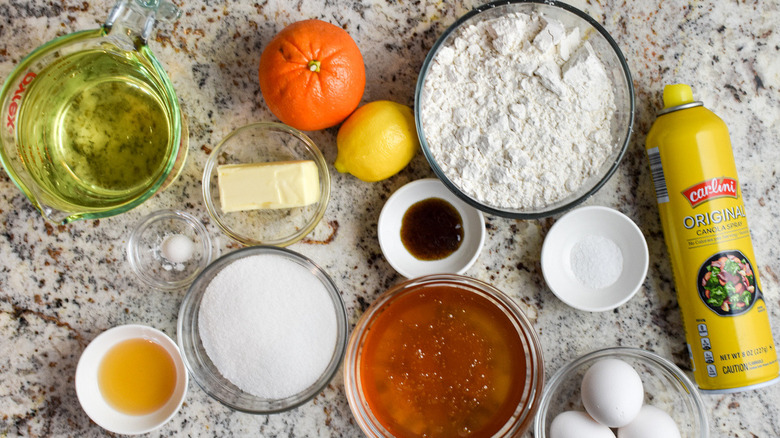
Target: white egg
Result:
[[577, 424], [612, 392], [650, 423]]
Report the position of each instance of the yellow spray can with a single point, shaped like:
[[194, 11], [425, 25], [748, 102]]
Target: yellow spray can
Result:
[[703, 217]]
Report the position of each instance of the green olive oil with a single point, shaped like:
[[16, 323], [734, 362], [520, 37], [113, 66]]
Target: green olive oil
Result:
[[94, 129]]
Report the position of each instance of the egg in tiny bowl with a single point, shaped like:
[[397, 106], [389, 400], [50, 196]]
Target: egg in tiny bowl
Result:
[[131, 379], [425, 229], [618, 392]]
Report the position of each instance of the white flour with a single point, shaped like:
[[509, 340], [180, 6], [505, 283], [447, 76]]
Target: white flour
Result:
[[517, 110]]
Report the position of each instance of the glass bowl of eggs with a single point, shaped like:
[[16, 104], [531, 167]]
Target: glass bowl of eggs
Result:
[[624, 392]]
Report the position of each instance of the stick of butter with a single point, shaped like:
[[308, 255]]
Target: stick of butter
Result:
[[281, 184]]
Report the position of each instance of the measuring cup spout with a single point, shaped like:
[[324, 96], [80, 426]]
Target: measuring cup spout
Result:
[[135, 19]]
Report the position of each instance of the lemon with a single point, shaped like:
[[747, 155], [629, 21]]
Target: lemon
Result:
[[377, 141]]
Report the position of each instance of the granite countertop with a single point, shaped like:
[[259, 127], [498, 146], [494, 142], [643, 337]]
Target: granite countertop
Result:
[[60, 286]]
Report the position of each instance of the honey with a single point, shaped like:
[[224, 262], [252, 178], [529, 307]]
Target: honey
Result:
[[137, 376], [441, 361]]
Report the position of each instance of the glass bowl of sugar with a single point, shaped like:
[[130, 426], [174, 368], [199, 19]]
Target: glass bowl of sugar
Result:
[[262, 330], [524, 109]]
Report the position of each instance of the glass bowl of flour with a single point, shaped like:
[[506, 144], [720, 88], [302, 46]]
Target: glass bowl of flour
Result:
[[262, 329], [524, 108]]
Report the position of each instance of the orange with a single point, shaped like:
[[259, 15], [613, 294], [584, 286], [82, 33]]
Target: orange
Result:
[[312, 75]]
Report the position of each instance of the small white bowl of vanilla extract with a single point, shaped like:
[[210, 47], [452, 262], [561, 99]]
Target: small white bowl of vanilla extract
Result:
[[131, 379], [425, 229]]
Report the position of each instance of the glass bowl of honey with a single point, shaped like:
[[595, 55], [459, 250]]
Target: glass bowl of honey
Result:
[[444, 355]]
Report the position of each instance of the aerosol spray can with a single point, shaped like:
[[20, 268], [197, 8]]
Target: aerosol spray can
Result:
[[703, 217]]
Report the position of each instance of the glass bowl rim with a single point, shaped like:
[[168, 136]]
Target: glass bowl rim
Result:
[[658, 361], [190, 308], [317, 157], [520, 421], [508, 213]]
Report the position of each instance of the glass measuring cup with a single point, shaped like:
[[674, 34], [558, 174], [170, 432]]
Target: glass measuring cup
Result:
[[91, 126]]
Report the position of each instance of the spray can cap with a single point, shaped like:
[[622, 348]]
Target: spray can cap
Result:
[[677, 97], [677, 94]]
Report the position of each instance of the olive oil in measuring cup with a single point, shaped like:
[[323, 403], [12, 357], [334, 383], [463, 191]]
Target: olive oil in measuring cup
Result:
[[93, 128], [91, 124]]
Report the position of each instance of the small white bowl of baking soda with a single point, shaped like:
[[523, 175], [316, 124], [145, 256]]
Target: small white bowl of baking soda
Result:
[[594, 258]]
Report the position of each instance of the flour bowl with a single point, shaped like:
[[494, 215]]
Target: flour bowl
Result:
[[534, 135], [262, 366]]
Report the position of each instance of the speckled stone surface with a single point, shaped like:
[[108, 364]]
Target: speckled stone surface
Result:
[[60, 286]]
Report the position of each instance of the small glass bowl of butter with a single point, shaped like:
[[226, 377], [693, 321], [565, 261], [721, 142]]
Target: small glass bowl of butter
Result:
[[266, 184]]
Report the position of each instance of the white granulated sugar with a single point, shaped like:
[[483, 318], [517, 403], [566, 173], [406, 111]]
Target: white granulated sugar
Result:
[[517, 111], [268, 325], [596, 261]]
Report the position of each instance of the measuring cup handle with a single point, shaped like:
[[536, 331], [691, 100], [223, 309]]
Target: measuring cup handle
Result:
[[135, 18]]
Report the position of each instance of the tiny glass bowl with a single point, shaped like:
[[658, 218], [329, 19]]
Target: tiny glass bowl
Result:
[[533, 368], [207, 375], [261, 143], [615, 66], [88, 388], [391, 221], [588, 222], [149, 260], [666, 387]]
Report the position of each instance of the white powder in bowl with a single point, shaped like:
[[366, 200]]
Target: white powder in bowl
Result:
[[268, 325], [516, 111], [596, 261], [177, 248]]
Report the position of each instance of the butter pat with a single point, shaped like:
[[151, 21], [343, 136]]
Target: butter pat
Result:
[[254, 186]]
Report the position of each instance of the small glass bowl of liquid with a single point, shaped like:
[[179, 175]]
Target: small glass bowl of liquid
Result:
[[443, 356], [425, 229], [131, 379]]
